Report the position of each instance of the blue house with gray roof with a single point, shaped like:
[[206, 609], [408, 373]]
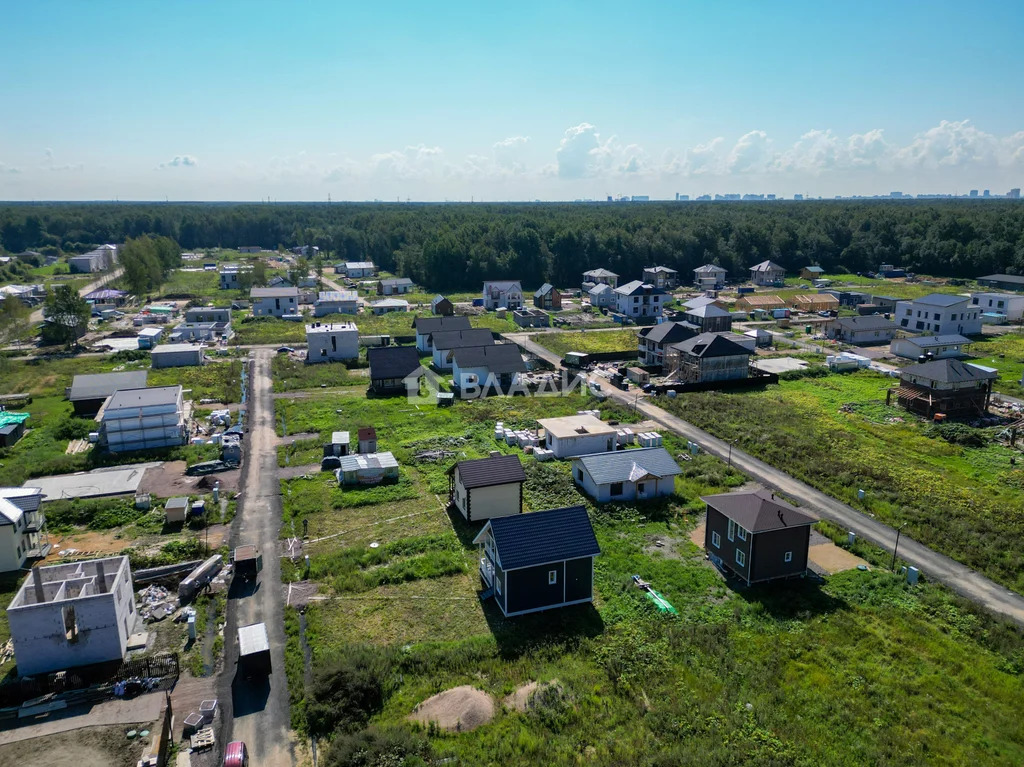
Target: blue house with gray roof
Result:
[[626, 475]]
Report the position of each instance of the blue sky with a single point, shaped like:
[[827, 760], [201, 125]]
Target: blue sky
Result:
[[249, 100]]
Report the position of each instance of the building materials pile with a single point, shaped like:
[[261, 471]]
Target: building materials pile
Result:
[[156, 603], [649, 439]]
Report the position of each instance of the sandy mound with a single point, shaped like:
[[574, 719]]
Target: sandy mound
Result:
[[459, 709], [520, 699]]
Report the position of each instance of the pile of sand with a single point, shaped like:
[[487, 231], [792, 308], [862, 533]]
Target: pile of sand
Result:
[[521, 698], [459, 709]]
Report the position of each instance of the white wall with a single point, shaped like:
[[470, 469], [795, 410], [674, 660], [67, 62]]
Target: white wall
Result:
[[10, 540], [320, 348], [960, 318], [602, 493], [487, 502], [580, 444], [275, 307]]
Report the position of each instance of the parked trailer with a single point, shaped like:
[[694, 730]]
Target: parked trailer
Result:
[[248, 561], [199, 578], [254, 650]]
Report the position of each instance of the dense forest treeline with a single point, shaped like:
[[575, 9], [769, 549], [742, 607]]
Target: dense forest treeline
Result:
[[458, 246]]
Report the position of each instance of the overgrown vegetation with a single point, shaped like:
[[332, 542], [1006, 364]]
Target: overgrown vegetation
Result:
[[589, 341]]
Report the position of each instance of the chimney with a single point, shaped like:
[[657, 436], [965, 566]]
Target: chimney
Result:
[[101, 577], [37, 581]]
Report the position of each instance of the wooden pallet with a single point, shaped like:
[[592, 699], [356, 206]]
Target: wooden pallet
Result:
[[202, 740]]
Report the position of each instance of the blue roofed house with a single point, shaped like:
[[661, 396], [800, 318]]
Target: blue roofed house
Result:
[[626, 475], [538, 561]]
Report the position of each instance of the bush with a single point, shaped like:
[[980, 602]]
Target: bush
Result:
[[74, 428], [811, 371], [958, 434], [348, 689], [378, 748]]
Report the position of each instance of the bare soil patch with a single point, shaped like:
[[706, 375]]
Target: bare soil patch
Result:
[[459, 709], [86, 747], [169, 480]]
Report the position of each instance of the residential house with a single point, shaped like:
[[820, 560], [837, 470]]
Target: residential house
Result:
[[765, 303], [306, 250], [885, 303], [1012, 282], [486, 488], [574, 435], [640, 299], [602, 296], [868, 330], [503, 294], [426, 326], [445, 341], [98, 260], [274, 302], [626, 475], [709, 277], [395, 286], [367, 469], [699, 301], [939, 314], [767, 273], [88, 391], [709, 319], [757, 536], [661, 277], [547, 297], [144, 419], [208, 314], [707, 358], [390, 366], [652, 340], [599, 277], [1008, 305], [538, 561], [816, 302], [231, 275], [441, 306], [280, 282], [332, 341], [336, 302], [367, 436], [956, 389], [531, 318], [104, 298], [496, 365], [936, 347], [812, 273], [356, 269], [70, 615], [847, 298], [22, 527], [177, 356], [388, 305]]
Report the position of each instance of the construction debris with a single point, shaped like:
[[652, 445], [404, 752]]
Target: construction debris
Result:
[[156, 603]]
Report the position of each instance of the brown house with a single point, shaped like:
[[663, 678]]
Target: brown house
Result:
[[957, 389], [547, 297], [757, 536]]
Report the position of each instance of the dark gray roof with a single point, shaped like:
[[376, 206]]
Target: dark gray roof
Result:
[[273, 292], [485, 472], [637, 288], [396, 281], [629, 465], [668, 332], [869, 322], [555, 535], [392, 361], [940, 299], [544, 289], [455, 339], [424, 325], [97, 385], [711, 345], [926, 342], [1013, 278], [497, 358], [948, 371], [708, 310], [758, 511], [147, 397]]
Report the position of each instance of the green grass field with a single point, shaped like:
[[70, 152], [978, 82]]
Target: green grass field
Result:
[[1005, 353], [834, 433], [589, 341], [861, 669]]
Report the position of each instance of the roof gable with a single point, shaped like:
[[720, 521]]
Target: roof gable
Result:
[[711, 345], [948, 371], [667, 332], [758, 511], [487, 472], [497, 358], [96, 385], [629, 465], [555, 535]]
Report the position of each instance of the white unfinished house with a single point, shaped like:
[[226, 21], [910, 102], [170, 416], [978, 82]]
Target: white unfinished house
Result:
[[330, 341], [72, 615], [231, 275], [503, 294], [336, 302], [939, 314], [143, 419], [21, 527], [709, 277], [274, 302], [640, 299], [574, 435]]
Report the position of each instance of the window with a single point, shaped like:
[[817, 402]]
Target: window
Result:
[[741, 558], [741, 533], [731, 535], [616, 488], [716, 540], [579, 474], [552, 577], [788, 557], [497, 586], [639, 487]]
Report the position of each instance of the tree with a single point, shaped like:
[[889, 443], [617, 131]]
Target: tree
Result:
[[299, 272], [14, 320], [318, 267], [67, 314], [259, 272]]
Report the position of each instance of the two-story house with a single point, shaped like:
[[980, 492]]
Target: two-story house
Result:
[[503, 294], [939, 314], [661, 277], [594, 277], [709, 277], [274, 302], [547, 297], [22, 527], [231, 274], [1008, 305], [709, 318], [640, 299], [767, 273], [707, 358], [652, 341]]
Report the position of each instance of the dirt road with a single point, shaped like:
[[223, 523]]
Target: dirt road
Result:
[[37, 316], [259, 712], [960, 578]]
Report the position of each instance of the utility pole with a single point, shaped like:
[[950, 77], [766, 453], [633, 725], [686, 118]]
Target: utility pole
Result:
[[896, 547]]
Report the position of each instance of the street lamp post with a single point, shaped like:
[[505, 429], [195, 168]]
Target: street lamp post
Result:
[[897, 546]]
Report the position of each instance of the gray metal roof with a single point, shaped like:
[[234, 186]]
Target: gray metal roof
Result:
[[396, 281], [926, 342], [155, 395], [1011, 278], [629, 465], [253, 639], [868, 322], [940, 299], [273, 292], [455, 339], [711, 345], [766, 266], [948, 371], [599, 273], [497, 358], [364, 461], [638, 287], [708, 310], [424, 325], [758, 511], [709, 269], [100, 385]]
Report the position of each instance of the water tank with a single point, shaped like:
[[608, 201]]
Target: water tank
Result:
[[851, 537], [860, 495]]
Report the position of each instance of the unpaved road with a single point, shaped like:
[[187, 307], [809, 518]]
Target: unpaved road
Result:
[[259, 712], [960, 578], [37, 316]]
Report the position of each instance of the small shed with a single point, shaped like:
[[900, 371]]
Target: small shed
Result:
[[149, 337], [339, 444], [367, 469], [177, 356], [367, 436], [176, 509], [442, 306]]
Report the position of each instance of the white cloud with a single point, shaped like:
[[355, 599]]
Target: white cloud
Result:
[[751, 154], [958, 144], [581, 152], [180, 161]]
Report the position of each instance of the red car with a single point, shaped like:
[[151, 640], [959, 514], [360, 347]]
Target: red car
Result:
[[236, 755]]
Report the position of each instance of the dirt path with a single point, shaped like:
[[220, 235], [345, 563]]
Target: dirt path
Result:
[[259, 712]]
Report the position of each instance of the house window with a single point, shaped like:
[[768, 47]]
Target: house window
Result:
[[579, 474], [639, 487], [497, 586], [741, 558], [731, 535], [788, 557], [616, 488], [716, 540], [552, 577], [741, 533]]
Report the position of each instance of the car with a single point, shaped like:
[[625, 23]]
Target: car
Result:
[[236, 754], [285, 350]]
